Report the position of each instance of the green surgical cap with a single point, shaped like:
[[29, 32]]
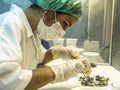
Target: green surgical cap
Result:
[[72, 7]]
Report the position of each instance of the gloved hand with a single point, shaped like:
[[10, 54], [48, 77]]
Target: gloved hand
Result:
[[87, 63], [70, 68], [65, 53]]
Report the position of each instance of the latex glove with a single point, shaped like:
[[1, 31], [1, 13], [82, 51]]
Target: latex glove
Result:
[[87, 68], [65, 53], [70, 68]]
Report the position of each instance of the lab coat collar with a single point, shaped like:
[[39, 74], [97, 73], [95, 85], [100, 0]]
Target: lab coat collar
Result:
[[19, 12]]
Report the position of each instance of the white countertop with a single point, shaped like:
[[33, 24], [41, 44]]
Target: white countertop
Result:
[[74, 83]]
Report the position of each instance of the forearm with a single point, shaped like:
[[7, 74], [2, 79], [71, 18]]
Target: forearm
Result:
[[41, 76]]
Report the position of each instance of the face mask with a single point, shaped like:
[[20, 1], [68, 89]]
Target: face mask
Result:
[[53, 32]]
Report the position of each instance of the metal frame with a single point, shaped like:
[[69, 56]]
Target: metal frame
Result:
[[108, 27], [112, 26]]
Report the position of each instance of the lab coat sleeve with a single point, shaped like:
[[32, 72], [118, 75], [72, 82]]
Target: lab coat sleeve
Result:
[[42, 53], [12, 76]]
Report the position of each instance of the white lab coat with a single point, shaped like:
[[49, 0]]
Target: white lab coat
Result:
[[20, 50]]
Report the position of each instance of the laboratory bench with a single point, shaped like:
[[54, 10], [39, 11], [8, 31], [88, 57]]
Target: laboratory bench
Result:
[[74, 83]]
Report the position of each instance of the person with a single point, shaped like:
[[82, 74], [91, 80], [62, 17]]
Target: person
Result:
[[21, 50]]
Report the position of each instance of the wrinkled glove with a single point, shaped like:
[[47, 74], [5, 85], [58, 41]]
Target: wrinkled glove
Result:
[[87, 68], [65, 53], [70, 68]]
